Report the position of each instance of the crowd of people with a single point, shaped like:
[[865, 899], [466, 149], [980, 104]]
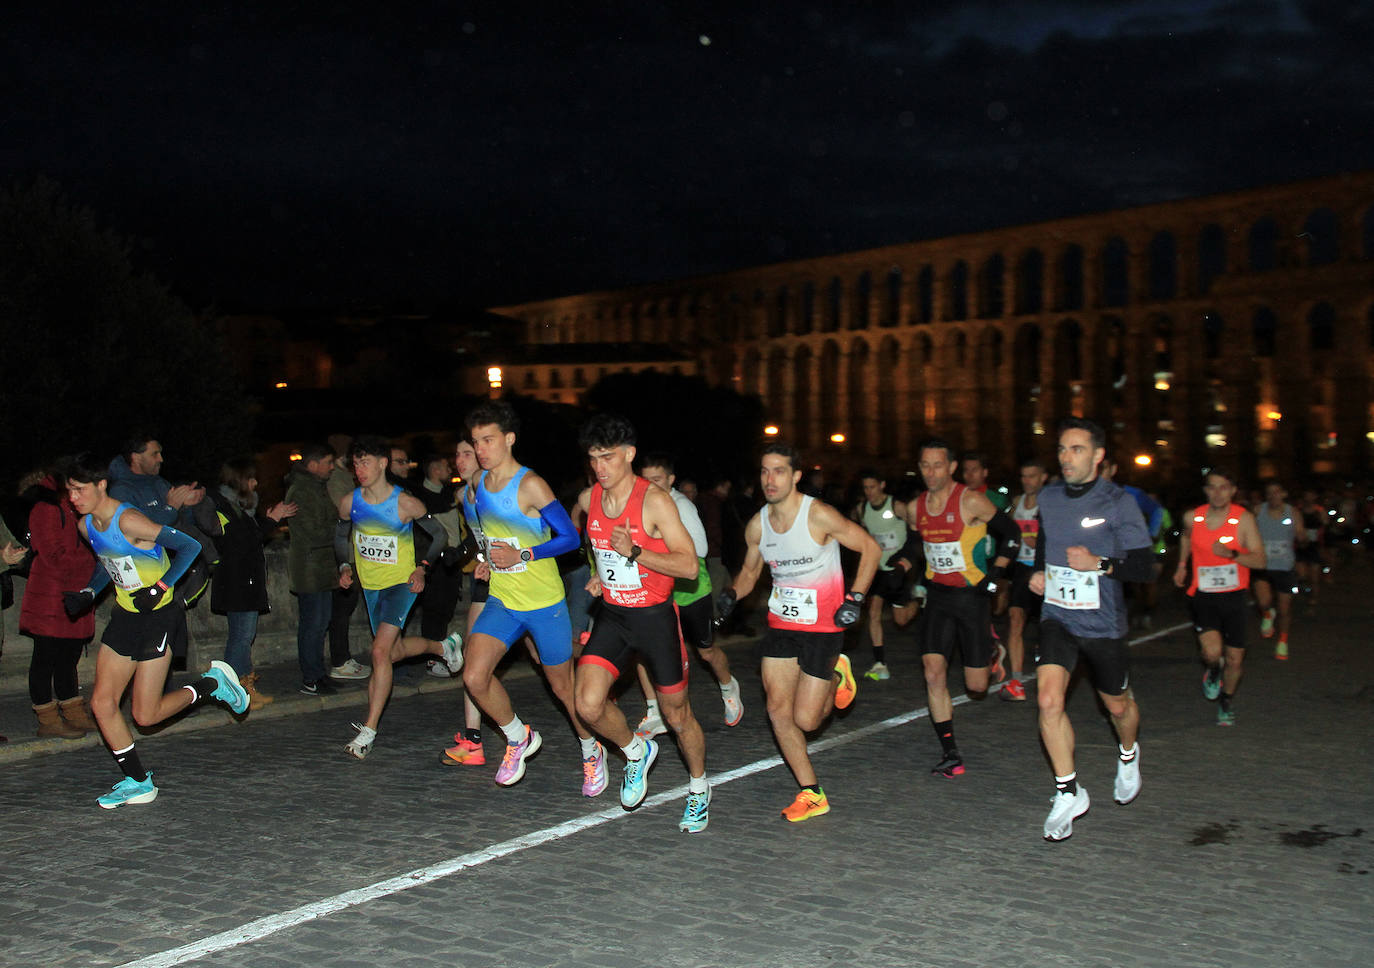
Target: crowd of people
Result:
[[627, 579]]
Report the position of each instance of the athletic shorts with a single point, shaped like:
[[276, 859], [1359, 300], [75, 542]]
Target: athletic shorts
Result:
[[1109, 660], [891, 587], [815, 652], [549, 626], [1223, 612], [651, 631], [1021, 595], [145, 636], [389, 606], [695, 620], [478, 590], [956, 618], [1282, 582]]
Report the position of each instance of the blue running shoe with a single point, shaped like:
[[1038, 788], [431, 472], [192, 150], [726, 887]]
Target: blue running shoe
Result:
[[129, 790], [698, 812], [636, 782], [1211, 682], [228, 691]]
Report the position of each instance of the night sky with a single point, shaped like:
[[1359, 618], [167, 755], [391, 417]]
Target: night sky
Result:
[[346, 156]]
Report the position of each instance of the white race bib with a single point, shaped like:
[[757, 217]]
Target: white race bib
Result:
[[1279, 553], [123, 572], [380, 549], [520, 563], [1218, 578], [1070, 588], [616, 571], [945, 557], [794, 605]]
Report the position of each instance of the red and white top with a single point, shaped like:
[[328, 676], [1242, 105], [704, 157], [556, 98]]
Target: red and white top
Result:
[[808, 583], [1211, 572], [625, 582]]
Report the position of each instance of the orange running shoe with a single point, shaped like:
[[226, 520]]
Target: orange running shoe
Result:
[[806, 806], [847, 687], [466, 753]]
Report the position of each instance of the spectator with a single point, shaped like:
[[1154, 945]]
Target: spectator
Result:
[[310, 562], [11, 554]]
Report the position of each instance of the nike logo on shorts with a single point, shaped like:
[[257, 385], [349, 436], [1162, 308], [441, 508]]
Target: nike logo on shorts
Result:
[[162, 646], [1092, 522]]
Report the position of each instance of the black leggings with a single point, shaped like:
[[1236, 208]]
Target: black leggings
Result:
[[52, 670]]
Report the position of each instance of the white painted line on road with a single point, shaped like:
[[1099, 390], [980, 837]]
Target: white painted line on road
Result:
[[272, 924]]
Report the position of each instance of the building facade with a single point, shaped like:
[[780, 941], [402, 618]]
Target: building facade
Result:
[[1234, 329]]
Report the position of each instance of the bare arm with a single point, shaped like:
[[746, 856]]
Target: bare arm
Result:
[[827, 523], [749, 572]]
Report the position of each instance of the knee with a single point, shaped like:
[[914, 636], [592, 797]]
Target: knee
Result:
[[589, 708], [144, 717], [474, 680], [676, 715], [935, 679], [1050, 702], [807, 720], [104, 708]]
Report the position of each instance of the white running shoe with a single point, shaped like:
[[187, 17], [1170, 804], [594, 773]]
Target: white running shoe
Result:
[[362, 743], [878, 672], [650, 726], [1127, 779], [734, 705], [351, 669], [453, 652], [1065, 808]]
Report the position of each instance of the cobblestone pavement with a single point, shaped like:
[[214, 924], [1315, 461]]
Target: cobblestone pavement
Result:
[[269, 847]]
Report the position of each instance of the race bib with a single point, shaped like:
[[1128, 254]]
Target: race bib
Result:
[[1279, 553], [519, 565], [794, 605], [123, 572], [1218, 578], [616, 571], [945, 557], [380, 549], [1070, 588]]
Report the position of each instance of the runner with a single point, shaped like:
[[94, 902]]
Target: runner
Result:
[[638, 545], [1221, 543], [1277, 582], [380, 518], [1025, 604], [805, 675], [885, 519], [525, 529], [951, 521], [467, 749], [694, 608], [132, 553], [1092, 538]]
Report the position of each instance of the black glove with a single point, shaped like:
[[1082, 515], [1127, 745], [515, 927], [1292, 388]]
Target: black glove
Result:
[[77, 603], [725, 604], [147, 599], [849, 611]]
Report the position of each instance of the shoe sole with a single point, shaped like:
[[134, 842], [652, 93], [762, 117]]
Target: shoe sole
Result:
[[1068, 832], [736, 720], [817, 812], [232, 680], [694, 826], [448, 759], [455, 664], [649, 758], [536, 743], [148, 797]]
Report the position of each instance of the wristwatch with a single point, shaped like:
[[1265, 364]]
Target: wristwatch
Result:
[[526, 554], [633, 554], [1104, 566]]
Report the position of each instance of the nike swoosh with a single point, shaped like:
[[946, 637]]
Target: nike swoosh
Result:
[[162, 646], [1093, 522]]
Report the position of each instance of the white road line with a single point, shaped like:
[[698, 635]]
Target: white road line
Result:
[[272, 924]]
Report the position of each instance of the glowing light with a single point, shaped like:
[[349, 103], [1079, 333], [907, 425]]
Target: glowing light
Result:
[[1161, 384], [295, 455], [837, 438], [1143, 460], [494, 376], [1274, 415], [280, 384], [771, 430]]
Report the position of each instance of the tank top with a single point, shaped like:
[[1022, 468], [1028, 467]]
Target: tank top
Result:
[[956, 556], [689, 590], [525, 585], [383, 543], [130, 568], [1211, 572], [1028, 521], [887, 529], [1278, 535], [808, 584], [625, 582]]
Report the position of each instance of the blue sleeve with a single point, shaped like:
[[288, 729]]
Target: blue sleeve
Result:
[[565, 537], [99, 579], [184, 549]]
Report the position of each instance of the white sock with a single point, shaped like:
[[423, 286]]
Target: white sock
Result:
[[697, 784], [651, 710], [730, 686], [1127, 755], [636, 749], [589, 746], [515, 731]]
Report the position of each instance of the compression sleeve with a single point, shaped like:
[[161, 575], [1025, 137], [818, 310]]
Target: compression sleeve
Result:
[[185, 549], [1138, 565], [1006, 535], [1040, 544], [343, 544], [99, 579], [912, 552], [438, 539], [565, 537]]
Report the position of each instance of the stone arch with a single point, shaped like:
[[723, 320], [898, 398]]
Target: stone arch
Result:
[[1025, 363], [957, 301], [859, 387], [775, 394], [806, 323], [758, 315], [925, 294], [1066, 383], [1321, 231], [1264, 332], [863, 293], [1070, 278], [1264, 244], [1321, 328], [922, 403], [1115, 277], [834, 306], [991, 281], [889, 361], [801, 395], [892, 303], [1030, 283], [958, 349], [829, 387], [778, 314], [1213, 335], [1211, 256], [1163, 266]]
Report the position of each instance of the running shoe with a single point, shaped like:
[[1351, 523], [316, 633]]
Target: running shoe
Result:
[[636, 781], [1127, 786], [650, 726], [1281, 651], [997, 671], [319, 687], [453, 653], [512, 768], [362, 743], [594, 772], [228, 690], [697, 814], [878, 672], [129, 790], [1211, 682], [734, 705], [464, 753], [1065, 808], [1226, 717], [1267, 624], [950, 767], [806, 806], [846, 689], [438, 669], [1013, 691], [350, 670]]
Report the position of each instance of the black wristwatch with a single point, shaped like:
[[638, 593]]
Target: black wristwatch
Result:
[[526, 554], [1104, 566], [633, 554]]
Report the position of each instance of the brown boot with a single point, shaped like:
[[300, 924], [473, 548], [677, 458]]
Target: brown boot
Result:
[[78, 714], [50, 722], [256, 700]]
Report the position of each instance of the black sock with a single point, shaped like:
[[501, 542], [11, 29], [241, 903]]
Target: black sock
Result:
[[473, 735], [945, 731], [129, 762], [1225, 699], [204, 688], [878, 652], [1067, 784], [813, 788]]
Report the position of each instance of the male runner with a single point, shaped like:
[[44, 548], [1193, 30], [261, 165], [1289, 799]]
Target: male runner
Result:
[[694, 607], [951, 521], [132, 552], [638, 545], [1275, 585], [885, 519], [525, 529], [805, 675], [1092, 538], [380, 517], [1221, 543], [1025, 605], [973, 468], [467, 749]]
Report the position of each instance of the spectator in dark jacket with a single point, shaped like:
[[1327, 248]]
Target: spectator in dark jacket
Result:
[[310, 562], [239, 587]]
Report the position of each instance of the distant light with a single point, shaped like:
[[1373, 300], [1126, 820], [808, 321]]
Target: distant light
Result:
[[1215, 440], [1003, 490], [281, 385], [455, 479], [837, 438], [295, 455], [771, 430], [1274, 415], [703, 40], [1161, 384], [494, 376], [1143, 460]]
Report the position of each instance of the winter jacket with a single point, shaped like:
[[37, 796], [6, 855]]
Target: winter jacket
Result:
[[146, 492], [240, 580], [310, 558], [62, 562]]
